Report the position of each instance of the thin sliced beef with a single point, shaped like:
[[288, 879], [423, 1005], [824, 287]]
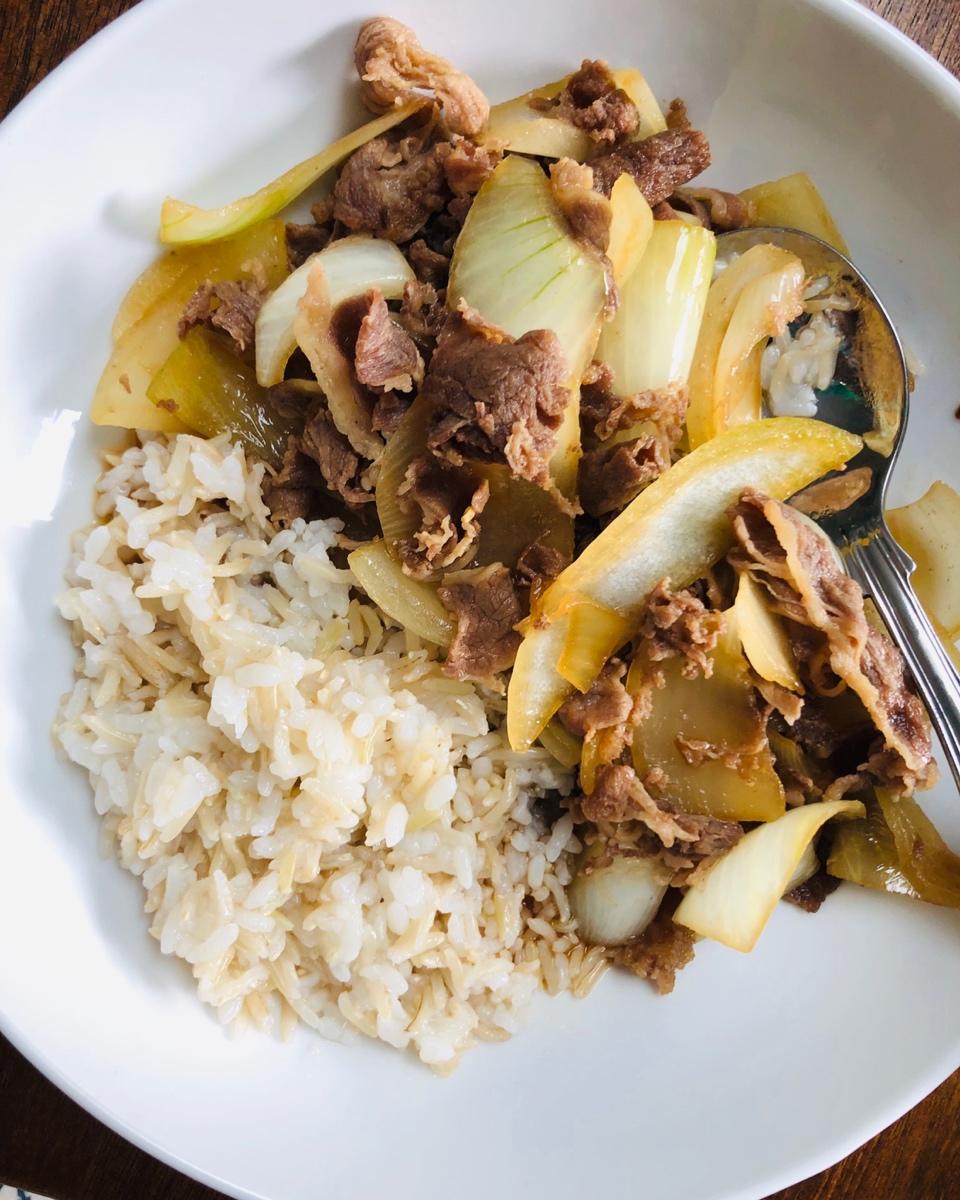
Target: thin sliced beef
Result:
[[606, 704], [538, 563], [678, 624], [387, 412], [307, 238], [423, 312], [683, 840], [467, 166], [603, 412], [394, 68], [389, 187], [676, 115], [592, 101], [659, 164], [290, 494], [339, 464], [663, 949], [620, 795], [587, 212], [810, 895], [447, 500], [798, 568], [487, 607], [385, 357], [714, 209], [429, 266], [610, 476], [496, 399], [788, 704], [295, 398], [229, 306]]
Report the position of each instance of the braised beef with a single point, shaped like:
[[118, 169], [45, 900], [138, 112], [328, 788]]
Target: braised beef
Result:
[[230, 306], [339, 464], [610, 476], [394, 68], [487, 607], [659, 164], [678, 624], [389, 187], [592, 101], [447, 500], [496, 399]]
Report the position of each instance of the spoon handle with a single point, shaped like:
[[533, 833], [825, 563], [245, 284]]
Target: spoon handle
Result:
[[883, 570]]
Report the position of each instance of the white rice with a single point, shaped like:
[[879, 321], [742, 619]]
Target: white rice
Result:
[[326, 827], [793, 365]]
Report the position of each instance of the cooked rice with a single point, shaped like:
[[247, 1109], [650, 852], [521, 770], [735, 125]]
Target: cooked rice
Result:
[[792, 365], [326, 827]]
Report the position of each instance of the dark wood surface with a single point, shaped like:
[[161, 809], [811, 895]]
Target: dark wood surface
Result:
[[50, 1145]]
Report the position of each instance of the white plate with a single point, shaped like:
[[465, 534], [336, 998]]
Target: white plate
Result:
[[759, 1070]]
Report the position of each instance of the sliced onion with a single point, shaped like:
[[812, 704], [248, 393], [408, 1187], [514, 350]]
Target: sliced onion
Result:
[[649, 345], [352, 266], [616, 902], [408, 442], [929, 531], [734, 901], [807, 867], [562, 744], [709, 387], [412, 604], [518, 265], [631, 226], [794, 203], [329, 281], [525, 130], [182, 223], [764, 639]]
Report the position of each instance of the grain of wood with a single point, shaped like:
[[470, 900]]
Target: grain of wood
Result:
[[49, 1144]]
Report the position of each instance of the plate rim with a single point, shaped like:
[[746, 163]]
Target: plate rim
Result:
[[936, 79]]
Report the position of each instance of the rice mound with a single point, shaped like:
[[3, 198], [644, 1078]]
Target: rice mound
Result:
[[326, 827]]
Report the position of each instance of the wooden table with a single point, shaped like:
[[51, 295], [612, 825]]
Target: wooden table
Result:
[[50, 1145]]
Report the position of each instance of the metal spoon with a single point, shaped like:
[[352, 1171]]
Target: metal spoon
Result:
[[874, 403]]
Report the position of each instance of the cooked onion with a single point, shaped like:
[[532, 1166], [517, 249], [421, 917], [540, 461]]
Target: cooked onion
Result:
[[352, 265], [616, 903], [734, 901]]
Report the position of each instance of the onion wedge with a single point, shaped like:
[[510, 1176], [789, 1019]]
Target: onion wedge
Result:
[[676, 528], [794, 203], [716, 712], [734, 901], [521, 129], [631, 227], [412, 604], [929, 531], [753, 299], [213, 391], [351, 265], [408, 441], [562, 744], [649, 344], [764, 639], [182, 223], [616, 903], [333, 276]]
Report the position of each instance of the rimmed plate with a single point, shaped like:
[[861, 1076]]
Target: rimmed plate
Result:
[[759, 1070]]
